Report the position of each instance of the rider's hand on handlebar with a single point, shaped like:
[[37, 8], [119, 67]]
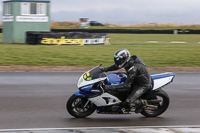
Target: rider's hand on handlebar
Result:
[[109, 88], [104, 69]]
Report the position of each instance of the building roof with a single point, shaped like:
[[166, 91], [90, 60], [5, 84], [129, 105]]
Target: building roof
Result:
[[27, 1]]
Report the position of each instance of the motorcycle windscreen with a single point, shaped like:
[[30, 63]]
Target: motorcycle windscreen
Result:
[[94, 73], [93, 76]]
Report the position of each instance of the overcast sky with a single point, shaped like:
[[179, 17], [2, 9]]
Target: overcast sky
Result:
[[127, 11]]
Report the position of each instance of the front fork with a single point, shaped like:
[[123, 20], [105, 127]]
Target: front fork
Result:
[[86, 103]]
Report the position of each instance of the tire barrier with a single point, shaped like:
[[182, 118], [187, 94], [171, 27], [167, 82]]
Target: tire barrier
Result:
[[123, 31], [191, 32], [130, 31], [67, 38]]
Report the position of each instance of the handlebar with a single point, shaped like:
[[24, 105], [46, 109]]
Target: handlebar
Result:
[[101, 84]]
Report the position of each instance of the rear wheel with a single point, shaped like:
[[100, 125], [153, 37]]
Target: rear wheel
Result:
[[80, 107], [162, 106]]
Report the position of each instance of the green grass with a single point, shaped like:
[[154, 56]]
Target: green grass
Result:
[[155, 55]]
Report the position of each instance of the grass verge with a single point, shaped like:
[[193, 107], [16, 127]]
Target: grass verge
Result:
[[155, 55]]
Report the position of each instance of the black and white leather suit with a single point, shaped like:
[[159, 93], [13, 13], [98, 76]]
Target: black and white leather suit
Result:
[[138, 79]]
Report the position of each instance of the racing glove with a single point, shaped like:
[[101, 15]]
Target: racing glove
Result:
[[104, 69], [109, 88]]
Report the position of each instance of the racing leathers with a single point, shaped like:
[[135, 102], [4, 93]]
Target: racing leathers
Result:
[[138, 79]]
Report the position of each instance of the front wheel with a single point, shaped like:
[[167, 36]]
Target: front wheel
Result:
[[80, 107], [162, 106]]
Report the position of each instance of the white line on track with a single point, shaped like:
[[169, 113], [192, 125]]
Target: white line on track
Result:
[[90, 128]]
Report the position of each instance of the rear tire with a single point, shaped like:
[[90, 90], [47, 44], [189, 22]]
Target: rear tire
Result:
[[162, 107], [76, 107]]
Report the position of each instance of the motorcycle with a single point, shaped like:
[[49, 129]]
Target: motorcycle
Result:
[[92, 95]]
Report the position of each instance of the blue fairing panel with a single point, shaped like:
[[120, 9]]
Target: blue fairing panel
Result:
[[116, 78], [78, 93], [87, 88]]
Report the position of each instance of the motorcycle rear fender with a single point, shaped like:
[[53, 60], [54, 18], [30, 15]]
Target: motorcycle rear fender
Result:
[[161, 80]]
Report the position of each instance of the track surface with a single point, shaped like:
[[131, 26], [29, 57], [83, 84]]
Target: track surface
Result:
[[37, 100]]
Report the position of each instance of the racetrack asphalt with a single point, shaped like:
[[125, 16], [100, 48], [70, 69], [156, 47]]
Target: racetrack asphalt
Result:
[[37, 100]]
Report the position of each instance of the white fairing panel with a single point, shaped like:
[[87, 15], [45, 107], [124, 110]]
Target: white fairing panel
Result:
[[104, 100], [82, 82], [157, 83]]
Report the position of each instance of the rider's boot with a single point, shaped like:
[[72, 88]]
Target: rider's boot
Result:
[[138, 104]]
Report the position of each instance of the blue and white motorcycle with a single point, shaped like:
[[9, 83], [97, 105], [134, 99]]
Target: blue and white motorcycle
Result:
[[92, 95]]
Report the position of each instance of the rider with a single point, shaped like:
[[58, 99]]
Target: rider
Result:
[[138, 77]]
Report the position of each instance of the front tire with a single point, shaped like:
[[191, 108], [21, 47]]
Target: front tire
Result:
[[79, 107], [162, 106]]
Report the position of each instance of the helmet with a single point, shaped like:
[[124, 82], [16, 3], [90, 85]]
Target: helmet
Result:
[[121, 57]]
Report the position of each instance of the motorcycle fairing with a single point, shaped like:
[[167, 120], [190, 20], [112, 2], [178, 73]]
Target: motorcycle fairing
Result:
[[79, 93], [105, 99], [162, 79]]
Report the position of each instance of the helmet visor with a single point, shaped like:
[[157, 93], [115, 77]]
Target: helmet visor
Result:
[[119, 61]]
